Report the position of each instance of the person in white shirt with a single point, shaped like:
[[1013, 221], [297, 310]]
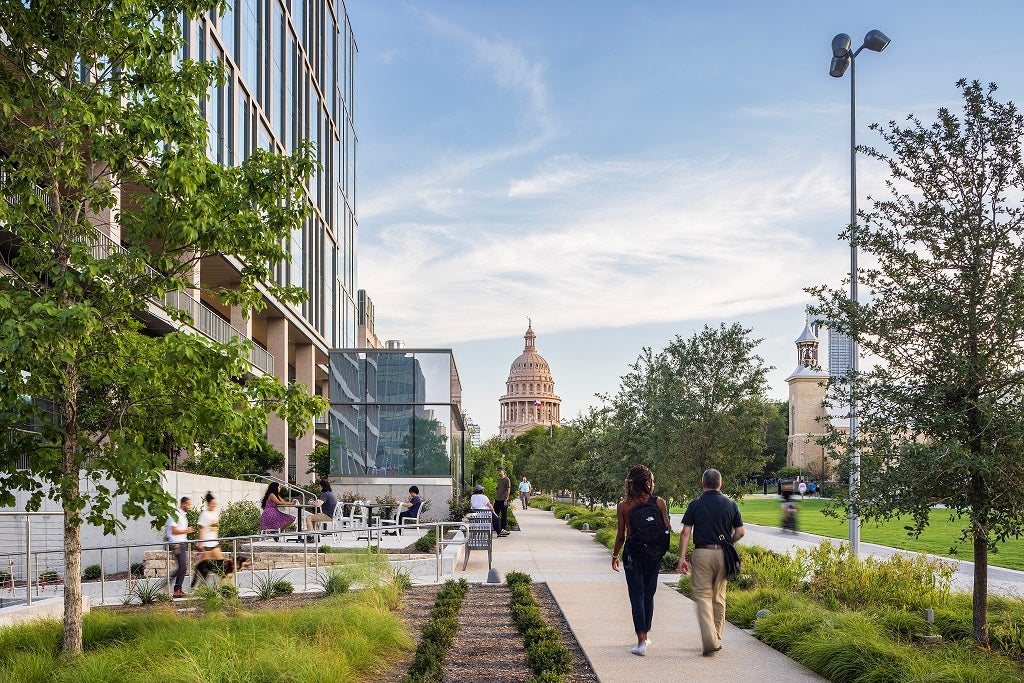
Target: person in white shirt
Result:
[[209, 521], [479, 501], [177, 535]]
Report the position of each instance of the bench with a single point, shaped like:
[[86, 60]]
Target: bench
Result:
[[479, 538]]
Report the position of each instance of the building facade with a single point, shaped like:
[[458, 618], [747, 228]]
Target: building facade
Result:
[[530, 398], [396, 418], [290, 77]]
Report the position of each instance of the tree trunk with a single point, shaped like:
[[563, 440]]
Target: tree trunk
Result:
[[72, 581], [980, 602], [69, 493]]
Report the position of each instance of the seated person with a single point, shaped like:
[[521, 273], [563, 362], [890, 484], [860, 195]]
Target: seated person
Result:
[[326, 504], [479, 502], [409, 509], [272, 518]]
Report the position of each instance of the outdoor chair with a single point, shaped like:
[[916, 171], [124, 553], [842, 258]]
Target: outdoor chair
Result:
[[393, 521]]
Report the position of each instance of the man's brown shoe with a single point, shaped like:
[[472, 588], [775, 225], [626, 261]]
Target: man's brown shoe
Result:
[[180, 593]]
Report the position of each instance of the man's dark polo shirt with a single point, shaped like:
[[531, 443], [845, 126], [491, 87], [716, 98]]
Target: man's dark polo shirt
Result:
[[711, 514]]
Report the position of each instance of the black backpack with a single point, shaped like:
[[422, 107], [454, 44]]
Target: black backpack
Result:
[[648, 534]]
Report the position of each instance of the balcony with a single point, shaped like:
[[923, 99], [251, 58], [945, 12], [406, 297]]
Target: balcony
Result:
[[204, 319]]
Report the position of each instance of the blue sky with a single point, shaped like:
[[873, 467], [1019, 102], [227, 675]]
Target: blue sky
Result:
[[626, 172]]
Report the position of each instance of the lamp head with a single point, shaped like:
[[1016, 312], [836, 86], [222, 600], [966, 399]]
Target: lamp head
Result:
[[839, 66], [841, 45], [875, 40]]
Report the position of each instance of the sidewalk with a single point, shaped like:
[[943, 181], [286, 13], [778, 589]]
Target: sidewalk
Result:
[[594, 601]]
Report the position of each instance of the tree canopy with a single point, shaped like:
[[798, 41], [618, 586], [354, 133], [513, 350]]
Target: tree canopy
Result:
[[109, 201], [942, 411]]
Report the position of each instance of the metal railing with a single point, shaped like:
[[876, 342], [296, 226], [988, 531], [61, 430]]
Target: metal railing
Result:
[[34, 583], [205, 320]]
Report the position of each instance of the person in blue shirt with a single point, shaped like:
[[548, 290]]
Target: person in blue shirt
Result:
[[411, 506]]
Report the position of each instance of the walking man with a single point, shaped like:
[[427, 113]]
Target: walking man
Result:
[[712, 519], [177, 535], [525, 488], [501, 495]]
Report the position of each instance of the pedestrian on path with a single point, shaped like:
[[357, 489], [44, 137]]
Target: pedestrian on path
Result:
[[644, 529], [525, 489], [713, 519], [177, 538], [501, 498]]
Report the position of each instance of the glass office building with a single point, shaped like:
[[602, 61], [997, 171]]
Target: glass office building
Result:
[[396, 413], [291, 77], [290, 67]]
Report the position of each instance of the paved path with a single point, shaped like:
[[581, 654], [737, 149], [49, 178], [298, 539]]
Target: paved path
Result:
[[594, 601]]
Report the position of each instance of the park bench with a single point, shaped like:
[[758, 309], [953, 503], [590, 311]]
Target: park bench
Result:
[[480, 535]]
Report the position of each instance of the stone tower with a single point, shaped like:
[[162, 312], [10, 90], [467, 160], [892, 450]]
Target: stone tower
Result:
[[530, 398], [807, 415]]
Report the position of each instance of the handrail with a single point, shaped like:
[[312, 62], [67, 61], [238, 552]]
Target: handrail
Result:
[[302, 536], [268, 478]]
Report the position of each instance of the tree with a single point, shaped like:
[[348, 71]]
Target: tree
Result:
[[102, 134], [231, 458], [942, 412], [320, 461], [697, 404], [777, 437]]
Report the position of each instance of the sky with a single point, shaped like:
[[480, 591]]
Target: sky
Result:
[[626, 172]]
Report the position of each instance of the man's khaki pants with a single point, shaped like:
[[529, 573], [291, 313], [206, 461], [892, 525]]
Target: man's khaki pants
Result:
[[708, 582]]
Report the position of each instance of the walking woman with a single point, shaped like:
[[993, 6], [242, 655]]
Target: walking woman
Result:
[[643, 528]]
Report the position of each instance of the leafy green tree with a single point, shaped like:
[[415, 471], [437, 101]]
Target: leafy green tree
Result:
[[942, 412], [231, 458], [101, 129], [697, 404], [320, 461]]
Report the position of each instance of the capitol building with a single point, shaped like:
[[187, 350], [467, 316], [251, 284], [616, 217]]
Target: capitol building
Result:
[[530, 398]]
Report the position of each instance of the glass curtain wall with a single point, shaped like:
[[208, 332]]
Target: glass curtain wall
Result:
[[395, 413], [290, 77]]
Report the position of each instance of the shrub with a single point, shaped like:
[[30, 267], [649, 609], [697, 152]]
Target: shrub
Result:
[[547, 657], [438, 633], [241, 518], [147, 592], [426, 542], [670, 562], [335, 581], [267, 587], [5, 576], [92, 572], [458, 507], [137, 569], [540, 501]]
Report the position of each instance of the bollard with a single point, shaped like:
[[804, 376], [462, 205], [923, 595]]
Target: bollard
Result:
[[494, 576], [929, 615], [762, 613], [585, 527]]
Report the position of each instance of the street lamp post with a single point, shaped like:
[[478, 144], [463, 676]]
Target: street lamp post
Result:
[[843, 58]]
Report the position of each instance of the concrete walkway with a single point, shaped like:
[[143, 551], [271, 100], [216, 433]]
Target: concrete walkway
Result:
[[594, 601]]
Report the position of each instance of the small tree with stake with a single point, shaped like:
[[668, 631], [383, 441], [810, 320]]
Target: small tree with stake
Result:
[[942, 413]]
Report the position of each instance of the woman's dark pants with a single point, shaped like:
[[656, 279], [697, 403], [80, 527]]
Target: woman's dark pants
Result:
[[642, 582]]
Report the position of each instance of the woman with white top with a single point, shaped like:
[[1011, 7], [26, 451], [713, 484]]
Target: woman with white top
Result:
[[209, 521]]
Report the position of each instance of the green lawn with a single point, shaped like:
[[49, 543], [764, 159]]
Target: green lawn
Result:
[[940, 537]]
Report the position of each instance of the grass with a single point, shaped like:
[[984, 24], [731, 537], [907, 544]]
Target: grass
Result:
[[343, 637], [940, 537], [855, 620]]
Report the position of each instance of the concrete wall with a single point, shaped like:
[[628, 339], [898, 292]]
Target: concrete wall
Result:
[[47, 531]]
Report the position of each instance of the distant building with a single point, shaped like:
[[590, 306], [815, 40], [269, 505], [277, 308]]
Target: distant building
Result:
[[473, 429], [530, 398], [808, 418], [366, 335]]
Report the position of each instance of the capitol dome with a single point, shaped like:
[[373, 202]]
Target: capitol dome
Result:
[[530, 398]]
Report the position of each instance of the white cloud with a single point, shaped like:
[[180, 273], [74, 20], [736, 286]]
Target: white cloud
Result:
[[609, 244]]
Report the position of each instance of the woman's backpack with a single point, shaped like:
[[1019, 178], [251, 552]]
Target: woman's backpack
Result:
[[648, 534]]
